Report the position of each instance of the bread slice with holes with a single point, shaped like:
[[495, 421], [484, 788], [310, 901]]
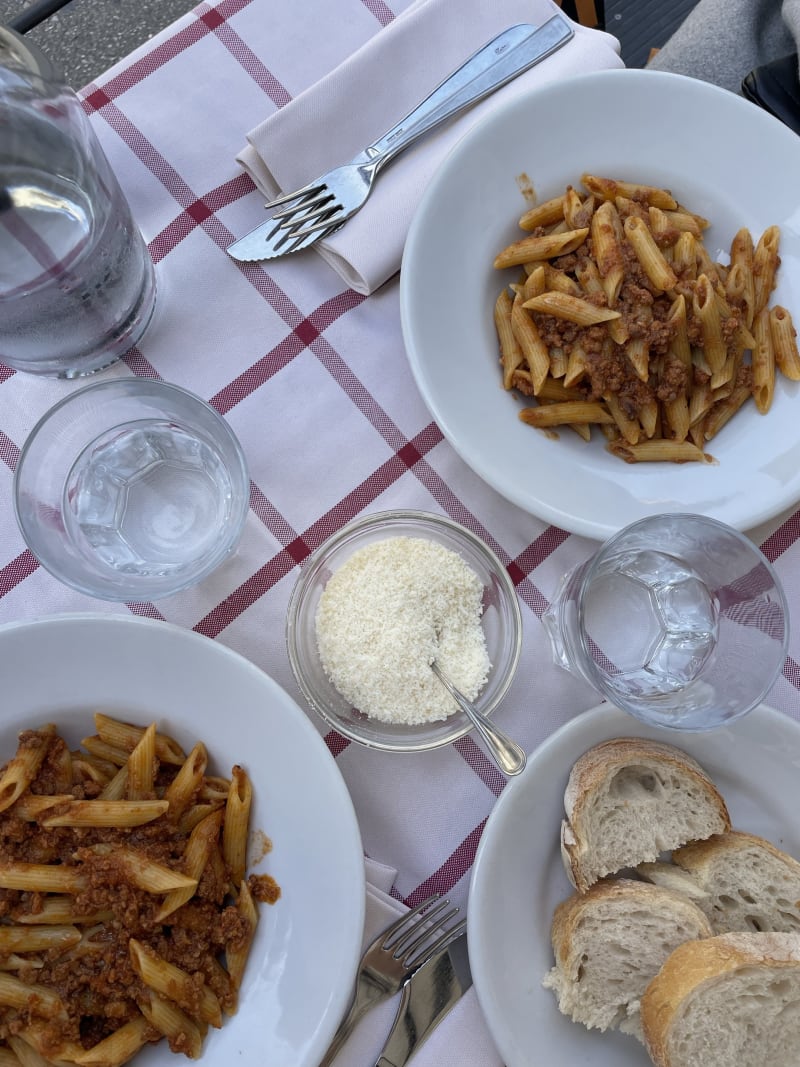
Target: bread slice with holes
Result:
[[727, 1001], [740, 881], [610, 942], [628, 800]]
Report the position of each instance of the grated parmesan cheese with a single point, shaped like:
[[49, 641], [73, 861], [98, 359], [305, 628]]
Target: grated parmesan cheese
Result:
[[387, 613]]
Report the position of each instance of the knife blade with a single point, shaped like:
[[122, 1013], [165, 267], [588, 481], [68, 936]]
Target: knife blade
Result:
[[490, 68], [426, 998]]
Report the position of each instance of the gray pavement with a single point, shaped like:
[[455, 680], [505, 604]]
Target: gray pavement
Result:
[[87, 36]]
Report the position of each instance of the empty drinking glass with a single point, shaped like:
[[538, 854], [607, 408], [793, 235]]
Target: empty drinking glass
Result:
[[678, 619], [131, 489], [77, 287]]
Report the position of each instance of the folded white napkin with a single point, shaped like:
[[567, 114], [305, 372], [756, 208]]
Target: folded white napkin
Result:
[[361, 99], [460, 1038]]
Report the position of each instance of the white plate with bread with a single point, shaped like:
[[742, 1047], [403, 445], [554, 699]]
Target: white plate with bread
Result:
[[579, 903]]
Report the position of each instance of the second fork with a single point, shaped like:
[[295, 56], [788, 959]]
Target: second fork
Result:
[[393, 957]]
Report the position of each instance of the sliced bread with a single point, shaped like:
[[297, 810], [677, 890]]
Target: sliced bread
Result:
[[610, 942], [741, 882], [728, 1000], [628, 800]]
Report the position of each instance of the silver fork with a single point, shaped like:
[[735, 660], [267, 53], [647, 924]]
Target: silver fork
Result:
[[393, 957], [318, 209]]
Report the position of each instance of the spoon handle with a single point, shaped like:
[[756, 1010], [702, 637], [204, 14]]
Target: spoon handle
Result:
[[507, 754]]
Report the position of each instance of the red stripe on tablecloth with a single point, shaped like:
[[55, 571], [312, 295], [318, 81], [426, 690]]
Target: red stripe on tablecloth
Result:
[[9, 452], [180, 227], [452, 870], [145, 609], [336, 743], [17, 570], [380, 10], [784, 537], [250, 62], [526, 562], [5, 372], [474, 756], [95, 98], [139, 365], [298, 550], [304, 333], [791, 672], [266, 511]]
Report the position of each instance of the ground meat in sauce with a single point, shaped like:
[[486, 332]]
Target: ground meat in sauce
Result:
[[96, 980], [646, 317]]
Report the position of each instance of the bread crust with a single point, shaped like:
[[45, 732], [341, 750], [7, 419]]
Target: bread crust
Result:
[[587, 927], [697, 963], [569, 913], [700, 855], [595, 768]]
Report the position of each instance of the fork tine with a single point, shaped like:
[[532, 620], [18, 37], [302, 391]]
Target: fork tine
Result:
[[299, 241], [442, 942], [307, 206], [397, 929], [402, 941], [410, 949], [327, 219], [305, 190]]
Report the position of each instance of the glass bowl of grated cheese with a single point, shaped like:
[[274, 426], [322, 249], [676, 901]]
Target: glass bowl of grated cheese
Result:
[[376, 603]]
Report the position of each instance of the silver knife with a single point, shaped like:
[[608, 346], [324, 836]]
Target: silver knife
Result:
[[427, 997], [343, 190]]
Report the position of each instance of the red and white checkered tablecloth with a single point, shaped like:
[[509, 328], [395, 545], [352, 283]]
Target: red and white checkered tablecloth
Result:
[[314, 380]]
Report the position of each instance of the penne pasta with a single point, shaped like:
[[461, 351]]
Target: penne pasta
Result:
[[784, 342], [637, 329], [511, 355], [118, 1047], [763, 363], [544, 214], [37, 938], [567, 412], [765, 265], [15, 993], [658, 451], [175, 1025], [607, 248], [171, 982], [41, 877], [571, 308], [236, 823], [719, 414], [650, 256], [103, 813], [134, 851], [21, 769], [237, 956], [609, 189], [202, 841], [140, 766], [705, 307], [531, 249], [125, 736], [537, 356]]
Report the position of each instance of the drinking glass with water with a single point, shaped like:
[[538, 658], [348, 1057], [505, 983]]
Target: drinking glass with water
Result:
[[77, 287], [678, 619], [131, 489]]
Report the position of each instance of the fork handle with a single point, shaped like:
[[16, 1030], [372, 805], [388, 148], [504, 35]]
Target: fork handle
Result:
[[498, 62], [366, 996]]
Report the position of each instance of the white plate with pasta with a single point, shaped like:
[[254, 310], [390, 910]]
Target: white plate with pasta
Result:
[[518, 876], [192, 824], [725, 162]]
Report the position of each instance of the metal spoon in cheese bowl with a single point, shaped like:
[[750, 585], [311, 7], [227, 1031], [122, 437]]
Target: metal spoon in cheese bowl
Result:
[[507, 754]]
